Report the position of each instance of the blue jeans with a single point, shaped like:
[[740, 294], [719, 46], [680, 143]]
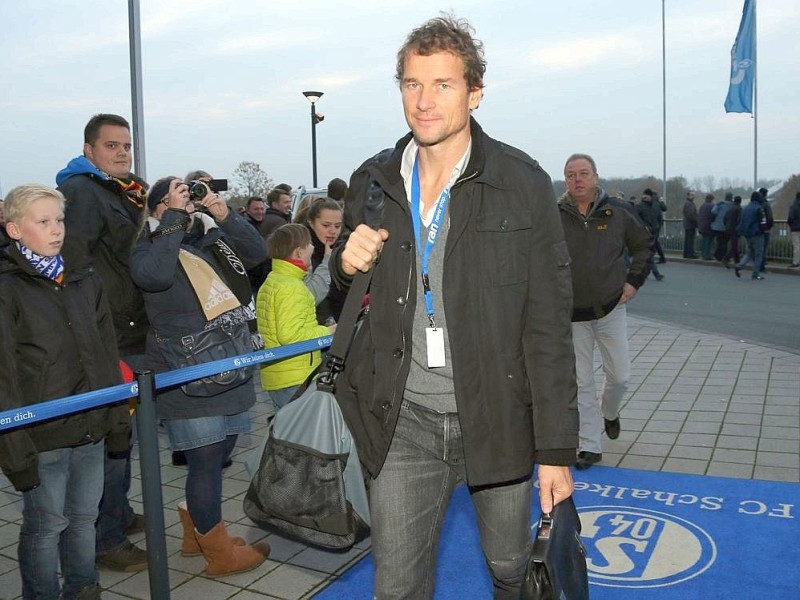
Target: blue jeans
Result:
[[58, 521], [707, 245], [280, 398], [755, 252], [762, 266], [408, 501], [115, 512]]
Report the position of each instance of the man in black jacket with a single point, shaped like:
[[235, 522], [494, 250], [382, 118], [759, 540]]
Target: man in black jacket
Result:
[[651, 211], [3, 237], [254, 214], [731, 222], [793, 220], [770, 221], [598, 230], [104, 208], [279, 211], [463, 369], [689, 226]]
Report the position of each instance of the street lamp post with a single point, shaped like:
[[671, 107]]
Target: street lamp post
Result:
[[314, 97]]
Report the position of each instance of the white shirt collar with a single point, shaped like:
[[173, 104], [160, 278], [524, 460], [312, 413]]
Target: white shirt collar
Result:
[[407, 166]]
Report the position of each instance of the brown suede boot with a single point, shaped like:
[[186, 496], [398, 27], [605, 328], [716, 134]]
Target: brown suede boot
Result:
[[190, 547], [223, 558]]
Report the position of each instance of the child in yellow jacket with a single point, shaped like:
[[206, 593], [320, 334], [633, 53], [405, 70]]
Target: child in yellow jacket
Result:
[[287, 312]]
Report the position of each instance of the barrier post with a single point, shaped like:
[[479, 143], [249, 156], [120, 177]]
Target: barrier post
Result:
[[155, 534]]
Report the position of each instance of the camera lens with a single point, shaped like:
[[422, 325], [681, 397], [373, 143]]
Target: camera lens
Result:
[[197, 190]]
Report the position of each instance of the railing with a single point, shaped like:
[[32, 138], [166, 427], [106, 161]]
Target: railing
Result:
[[144, 390], [779, 249]]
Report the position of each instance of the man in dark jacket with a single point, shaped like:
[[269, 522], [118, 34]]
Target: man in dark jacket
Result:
[[105, 202], [650, 214], [3, 237], [689, 226], [731, 220], [599, 230], [751, 226], [279, 211], [793, 220], [651, 211], [463, 369], [719, 211], [766, 226], [254, 214], [705, 217]]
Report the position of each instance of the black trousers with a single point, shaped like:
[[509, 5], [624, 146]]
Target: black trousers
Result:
[[721, 250], [688, 243]]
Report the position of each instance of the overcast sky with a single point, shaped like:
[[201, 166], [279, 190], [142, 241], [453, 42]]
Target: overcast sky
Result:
[[223, 83]]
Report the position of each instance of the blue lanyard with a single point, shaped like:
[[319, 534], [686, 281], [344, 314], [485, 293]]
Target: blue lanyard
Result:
[[433, 233]]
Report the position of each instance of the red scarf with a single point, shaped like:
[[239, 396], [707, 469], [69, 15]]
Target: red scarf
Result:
[[297, 263]]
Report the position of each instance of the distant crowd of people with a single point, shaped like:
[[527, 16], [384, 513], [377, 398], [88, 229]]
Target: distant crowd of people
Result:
[[721, 224]]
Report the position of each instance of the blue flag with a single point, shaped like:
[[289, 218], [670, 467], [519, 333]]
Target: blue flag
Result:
[[743, 63]]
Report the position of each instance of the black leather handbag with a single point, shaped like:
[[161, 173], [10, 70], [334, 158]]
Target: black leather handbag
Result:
[[216, 343], [557, 565]]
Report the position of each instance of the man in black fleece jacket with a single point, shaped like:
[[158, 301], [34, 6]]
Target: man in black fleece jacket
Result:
[[598, 229]]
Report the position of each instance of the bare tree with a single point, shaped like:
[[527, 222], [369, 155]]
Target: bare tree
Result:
[[251, 180], [709, 183]]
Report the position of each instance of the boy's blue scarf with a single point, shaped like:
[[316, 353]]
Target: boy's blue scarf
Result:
[[49, 266]]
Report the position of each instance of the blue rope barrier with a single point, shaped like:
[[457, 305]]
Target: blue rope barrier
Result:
[[51, 409]]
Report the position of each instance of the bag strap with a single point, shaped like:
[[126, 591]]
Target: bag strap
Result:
[[346, 326]]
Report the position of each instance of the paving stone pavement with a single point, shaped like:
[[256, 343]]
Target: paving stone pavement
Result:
[[697, 403]]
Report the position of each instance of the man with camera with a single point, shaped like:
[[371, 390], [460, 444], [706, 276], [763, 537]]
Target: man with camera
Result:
[[104, 207]]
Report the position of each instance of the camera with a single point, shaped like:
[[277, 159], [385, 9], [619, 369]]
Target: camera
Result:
[[197, 190]]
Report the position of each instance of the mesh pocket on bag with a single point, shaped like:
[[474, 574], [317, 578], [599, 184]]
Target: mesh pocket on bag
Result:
[[300, 493]]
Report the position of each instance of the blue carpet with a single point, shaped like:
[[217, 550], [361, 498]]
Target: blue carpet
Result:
[[648, 535]]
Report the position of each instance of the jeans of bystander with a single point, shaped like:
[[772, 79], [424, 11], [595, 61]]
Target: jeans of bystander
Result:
[[707, 246], [115, 512], [765, 249], [58, 522], [281, 397], [755, 252]]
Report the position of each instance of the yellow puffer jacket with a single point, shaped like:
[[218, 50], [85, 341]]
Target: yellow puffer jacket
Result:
[[287, 314]]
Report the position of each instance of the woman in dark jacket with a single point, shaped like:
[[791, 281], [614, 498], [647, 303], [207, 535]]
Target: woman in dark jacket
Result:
[[190, 262], [324, 222]]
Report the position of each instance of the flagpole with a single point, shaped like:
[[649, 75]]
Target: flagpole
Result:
[[755, 95], [664, 102]]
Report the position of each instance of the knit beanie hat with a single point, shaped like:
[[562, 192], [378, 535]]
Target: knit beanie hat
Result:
[[158, 192]]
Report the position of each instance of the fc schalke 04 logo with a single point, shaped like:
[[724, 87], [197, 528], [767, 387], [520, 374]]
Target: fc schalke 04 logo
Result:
[[639, 548]]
